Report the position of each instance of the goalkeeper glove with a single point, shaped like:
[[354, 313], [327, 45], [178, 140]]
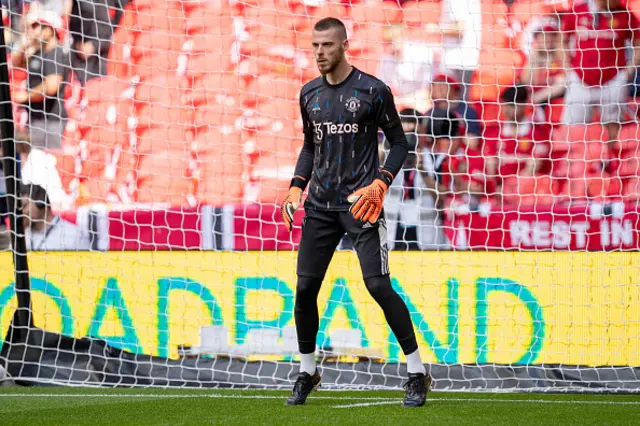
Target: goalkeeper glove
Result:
[[290, 205], [367, 202]]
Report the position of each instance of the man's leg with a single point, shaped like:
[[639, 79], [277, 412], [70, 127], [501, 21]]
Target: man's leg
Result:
[[321, 234], [577, 99], [370, 243], [613, 100]]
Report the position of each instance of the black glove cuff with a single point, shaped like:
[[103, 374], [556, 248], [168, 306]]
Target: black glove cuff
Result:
[[298, 182], [386, 177]]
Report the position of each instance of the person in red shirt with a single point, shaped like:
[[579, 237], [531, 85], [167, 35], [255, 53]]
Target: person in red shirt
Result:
[[545, 74], [594, 39], [517, 145]]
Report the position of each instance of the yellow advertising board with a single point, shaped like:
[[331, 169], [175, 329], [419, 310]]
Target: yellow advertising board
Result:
[[507, 308]]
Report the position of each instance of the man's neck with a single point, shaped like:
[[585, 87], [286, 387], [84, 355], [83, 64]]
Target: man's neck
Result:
[[340, 74], [42, 225], [48, 46]]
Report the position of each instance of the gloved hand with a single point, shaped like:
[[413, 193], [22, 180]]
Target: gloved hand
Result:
[[367, 202], [290, 205]]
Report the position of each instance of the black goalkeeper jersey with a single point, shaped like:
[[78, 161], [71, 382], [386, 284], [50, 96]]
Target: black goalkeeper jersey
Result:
[[340, 150]]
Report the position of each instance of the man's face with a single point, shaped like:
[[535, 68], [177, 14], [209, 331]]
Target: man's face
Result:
[[328, 49], [42, 33], [408, 126], [546, 41], [32, 214], [608, 4], [443, 91], [512, 111]]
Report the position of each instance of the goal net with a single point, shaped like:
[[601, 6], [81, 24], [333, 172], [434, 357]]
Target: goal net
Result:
[[165, 134]]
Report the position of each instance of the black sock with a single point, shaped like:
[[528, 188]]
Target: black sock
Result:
[[306, 313], [395, 311]]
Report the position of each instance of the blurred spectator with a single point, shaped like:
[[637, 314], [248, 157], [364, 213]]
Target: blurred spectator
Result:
[[446, 92], [48, 70], [39, 168], [404, 200], [91, 29], [441, 143], [59, 7], [472, 181], [43, 229], [517, 145], [406, 65], [544, 72], [594, 38], [461, 28]]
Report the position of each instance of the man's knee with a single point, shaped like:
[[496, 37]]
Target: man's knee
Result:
[[379, 286], [307, 287]]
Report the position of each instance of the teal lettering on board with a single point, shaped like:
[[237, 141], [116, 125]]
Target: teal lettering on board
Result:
[[444, 353], [340, 297], [243, 286], [111, 298], [52, 292], [165, 287], [486, 285]]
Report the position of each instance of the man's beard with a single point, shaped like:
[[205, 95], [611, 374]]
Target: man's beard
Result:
[[331, 66]]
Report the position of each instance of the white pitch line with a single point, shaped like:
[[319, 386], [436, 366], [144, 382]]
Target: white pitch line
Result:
[[367, 404], [204, 395], [537, 401], [374, 401]]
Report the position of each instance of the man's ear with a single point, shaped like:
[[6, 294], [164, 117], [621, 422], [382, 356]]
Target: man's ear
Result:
[[345, 45]]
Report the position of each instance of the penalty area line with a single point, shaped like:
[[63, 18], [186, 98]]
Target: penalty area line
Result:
[[368, 404], [188, 396], [485, 400]]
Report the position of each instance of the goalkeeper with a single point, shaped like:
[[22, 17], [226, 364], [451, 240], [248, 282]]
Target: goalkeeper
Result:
[[341, 113]]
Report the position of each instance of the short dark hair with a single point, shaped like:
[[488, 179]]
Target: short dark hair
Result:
[[517, 94], [409, 115], [37, 194], [441, 123], [327, 23]]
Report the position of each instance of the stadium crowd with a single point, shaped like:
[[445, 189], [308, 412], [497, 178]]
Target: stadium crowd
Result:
[[551, 136]]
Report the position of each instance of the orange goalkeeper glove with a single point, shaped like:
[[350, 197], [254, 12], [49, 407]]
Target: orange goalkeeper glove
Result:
[[367, 202], [290, 205]]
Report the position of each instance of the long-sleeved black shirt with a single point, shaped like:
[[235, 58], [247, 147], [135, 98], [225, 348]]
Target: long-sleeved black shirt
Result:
[[340, 150]]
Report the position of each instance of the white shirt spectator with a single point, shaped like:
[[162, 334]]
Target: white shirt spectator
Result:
[[462, 52], [410, 69], [58, 235], [40, 169]]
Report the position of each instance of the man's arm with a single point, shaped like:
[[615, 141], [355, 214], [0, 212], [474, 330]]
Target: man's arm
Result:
[[48, 88], [389, 121], [304, 166], [634, 61], [567, 28]]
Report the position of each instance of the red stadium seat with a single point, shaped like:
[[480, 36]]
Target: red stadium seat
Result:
[[209, 20], [177, 139], [105, 89], [164, 177], [216, 116], [159, 116], [162, 62], [421, 13], [208, 87], [528, 191], [149, 44], [160, 91], [160, 20]]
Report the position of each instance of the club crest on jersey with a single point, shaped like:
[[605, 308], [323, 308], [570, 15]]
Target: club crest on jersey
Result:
[[352, 104]]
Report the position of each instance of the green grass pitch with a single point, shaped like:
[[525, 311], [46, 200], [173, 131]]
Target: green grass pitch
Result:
[[82, 406]]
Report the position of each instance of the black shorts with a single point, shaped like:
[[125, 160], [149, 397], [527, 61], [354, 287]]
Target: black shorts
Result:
[[322, 232]]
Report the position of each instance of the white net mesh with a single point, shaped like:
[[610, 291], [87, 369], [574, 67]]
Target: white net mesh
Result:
[[165, 134]]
